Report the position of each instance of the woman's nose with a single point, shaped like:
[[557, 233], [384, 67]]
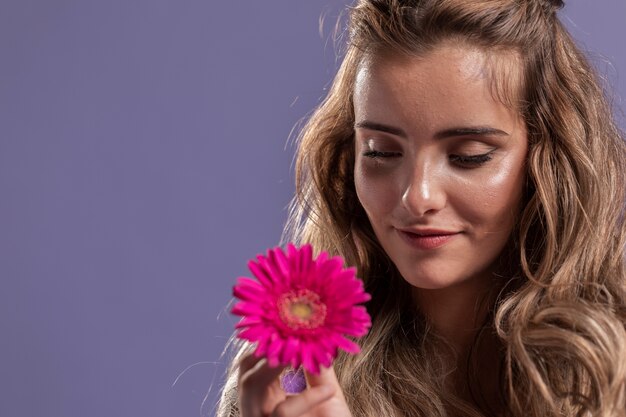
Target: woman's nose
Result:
[[424, 192]]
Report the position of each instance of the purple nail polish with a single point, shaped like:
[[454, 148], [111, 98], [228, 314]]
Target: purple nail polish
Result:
[[293, 381]]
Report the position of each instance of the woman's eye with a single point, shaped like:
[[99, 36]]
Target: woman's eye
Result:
[[471, 160], [381, 154]]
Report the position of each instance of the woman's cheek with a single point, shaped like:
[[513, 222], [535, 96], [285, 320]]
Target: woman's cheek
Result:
[[376, 188], [489, 200]]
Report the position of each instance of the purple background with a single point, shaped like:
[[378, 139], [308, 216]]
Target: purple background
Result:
[[143, 161]]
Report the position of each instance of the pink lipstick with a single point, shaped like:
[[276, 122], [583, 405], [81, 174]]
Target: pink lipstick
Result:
[[427, 238]]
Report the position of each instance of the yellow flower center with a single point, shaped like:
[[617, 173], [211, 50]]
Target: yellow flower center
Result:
[[301, 309]]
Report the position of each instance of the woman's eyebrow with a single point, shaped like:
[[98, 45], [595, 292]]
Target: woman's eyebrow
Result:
[[366, 124], [456, 131], [470, 131]]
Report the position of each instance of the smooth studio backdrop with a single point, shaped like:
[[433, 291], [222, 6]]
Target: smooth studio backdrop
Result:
[[144, 158]]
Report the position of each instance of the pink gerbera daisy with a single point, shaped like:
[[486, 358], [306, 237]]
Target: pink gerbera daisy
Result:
[[300, 309]]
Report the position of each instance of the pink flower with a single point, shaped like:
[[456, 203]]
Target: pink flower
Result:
[[300, 309]]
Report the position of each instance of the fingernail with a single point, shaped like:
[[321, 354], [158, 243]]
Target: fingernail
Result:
[[293, 382]]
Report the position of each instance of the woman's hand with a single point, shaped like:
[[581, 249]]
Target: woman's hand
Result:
[[260, 393]]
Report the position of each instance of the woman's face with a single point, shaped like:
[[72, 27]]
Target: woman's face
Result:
[[439, 164]]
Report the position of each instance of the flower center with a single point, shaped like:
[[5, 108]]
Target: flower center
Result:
[[301, 309]]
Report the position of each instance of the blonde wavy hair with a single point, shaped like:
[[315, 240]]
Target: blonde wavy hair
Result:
[[559, 322]]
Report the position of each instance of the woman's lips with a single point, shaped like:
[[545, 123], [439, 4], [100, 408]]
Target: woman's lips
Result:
[[430, 241]]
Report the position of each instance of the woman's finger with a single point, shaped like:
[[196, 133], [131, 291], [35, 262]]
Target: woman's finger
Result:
[[299, 404], [260, 376], [259, 392], [248, 362], [326, 376]]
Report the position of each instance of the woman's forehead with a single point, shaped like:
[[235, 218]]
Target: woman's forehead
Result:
[[500, 69], [449, 86]]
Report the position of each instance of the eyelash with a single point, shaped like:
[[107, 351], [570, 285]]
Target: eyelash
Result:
[[379, 154], [470, 160]]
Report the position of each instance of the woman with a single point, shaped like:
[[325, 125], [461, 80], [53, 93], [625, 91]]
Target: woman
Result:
[[466, 162]]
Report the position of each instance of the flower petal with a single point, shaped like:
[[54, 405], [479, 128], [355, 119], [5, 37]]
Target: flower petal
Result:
[[262, 274], [248, 321], [308, 360], [274, 352], [244, 308], [287, 332], [328, 269], [347, 345], [249, 290], [294, 260], [290, 350], [306, 258], [253, 334]]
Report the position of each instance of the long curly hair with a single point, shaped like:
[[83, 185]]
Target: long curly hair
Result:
[[559, 322]]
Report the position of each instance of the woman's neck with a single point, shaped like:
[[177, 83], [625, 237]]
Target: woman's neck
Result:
[[457, 314]]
